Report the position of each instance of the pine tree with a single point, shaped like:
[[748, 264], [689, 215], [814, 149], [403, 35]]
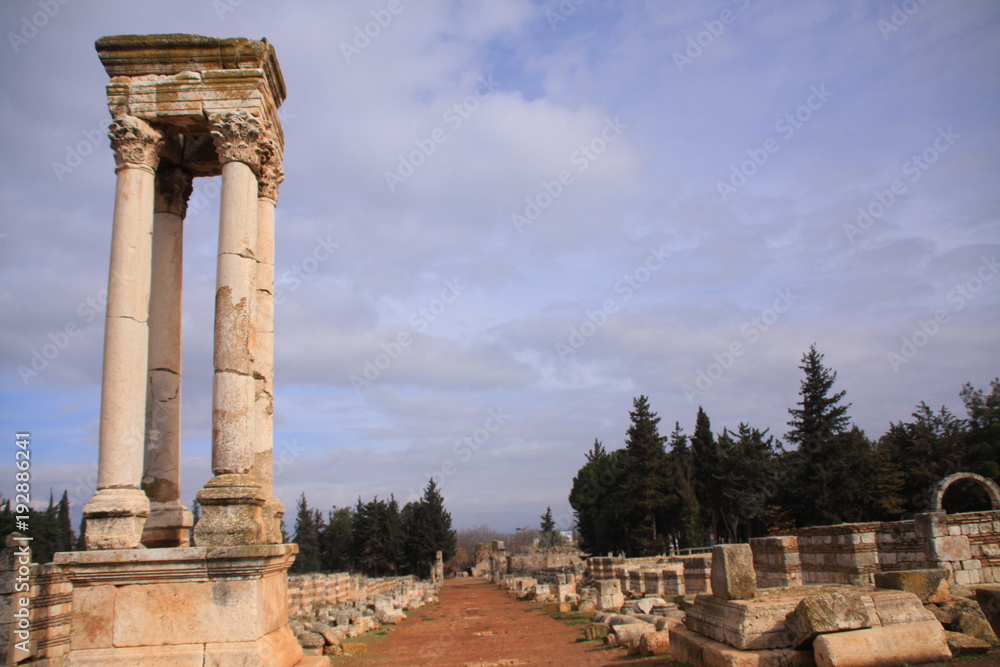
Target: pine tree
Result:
[[307, 537], [815, 427], [65, 539], [689, 525], [335, 542], [983, 428], [550, 537], [427, 530], [593, 496], [644, 491], [705, 460]]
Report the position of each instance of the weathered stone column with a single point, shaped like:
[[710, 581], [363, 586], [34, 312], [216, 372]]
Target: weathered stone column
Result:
[[271, 176], [169, 521], [232, 500], [114, 517]]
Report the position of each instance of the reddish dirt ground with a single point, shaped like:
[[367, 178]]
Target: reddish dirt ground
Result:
[[476, 623]]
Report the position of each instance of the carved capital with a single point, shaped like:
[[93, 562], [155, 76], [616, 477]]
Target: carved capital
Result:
[[173, 188], [237, 136], [271, 172], [135, 142]]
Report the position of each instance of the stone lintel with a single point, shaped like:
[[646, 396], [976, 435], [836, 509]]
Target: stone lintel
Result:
[[140, 55], [118, 567]]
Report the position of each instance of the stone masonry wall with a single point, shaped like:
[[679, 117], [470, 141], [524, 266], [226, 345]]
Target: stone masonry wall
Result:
[[967, 545]]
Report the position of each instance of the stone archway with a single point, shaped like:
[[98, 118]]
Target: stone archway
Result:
[[991, 488]]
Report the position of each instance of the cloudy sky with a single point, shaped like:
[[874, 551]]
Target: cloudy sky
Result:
[[502, 221]]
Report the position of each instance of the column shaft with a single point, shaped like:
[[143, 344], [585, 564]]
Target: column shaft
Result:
[[232, 499], [114, 517], [169, 521]]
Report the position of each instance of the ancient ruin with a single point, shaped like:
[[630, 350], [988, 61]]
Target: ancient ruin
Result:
[[183, 106], [893, 592]]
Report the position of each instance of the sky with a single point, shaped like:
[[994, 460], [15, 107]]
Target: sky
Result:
[[503, 221]]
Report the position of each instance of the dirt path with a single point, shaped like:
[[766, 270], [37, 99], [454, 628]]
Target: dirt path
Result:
[[477, 624]]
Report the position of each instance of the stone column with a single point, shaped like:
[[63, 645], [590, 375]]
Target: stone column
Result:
[[114, 517], [271, 176], [169, 522], [232, 500]]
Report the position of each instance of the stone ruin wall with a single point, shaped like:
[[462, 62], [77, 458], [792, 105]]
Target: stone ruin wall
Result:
[[966, 545]]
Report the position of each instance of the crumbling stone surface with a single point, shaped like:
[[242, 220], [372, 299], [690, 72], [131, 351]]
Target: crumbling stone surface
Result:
[[627, 633], [733, 576], [906, 643], [931, 586], [833, 611], [966, 616], [965, 644], [989, 603]]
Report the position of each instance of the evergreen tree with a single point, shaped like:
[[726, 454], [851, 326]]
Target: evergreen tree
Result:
[[929, 448], [689, 527], [815, 425], [427, 530], [746, 479], [307, 537], [983, 428], [335, 542], [593, 496], [644, 492], [65, 539], [705, 460], [550, 536]]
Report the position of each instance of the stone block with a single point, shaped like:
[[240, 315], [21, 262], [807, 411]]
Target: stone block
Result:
[[733, 575], [931, 586], [834, 611], [912, 643], [695, 649], [627, 633], [655, 643], [961, 644], [989, 603], [952, 548]]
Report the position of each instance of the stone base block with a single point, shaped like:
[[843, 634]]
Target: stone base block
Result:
[[931, 586], [700, 651], [195, 605], [168, 525], [907, 643], [114, 519], [760, 623]]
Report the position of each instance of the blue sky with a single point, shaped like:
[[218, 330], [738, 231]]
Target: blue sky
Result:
[[534, 211]]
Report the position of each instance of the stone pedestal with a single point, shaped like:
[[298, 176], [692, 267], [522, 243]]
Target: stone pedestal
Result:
[[181, 606]]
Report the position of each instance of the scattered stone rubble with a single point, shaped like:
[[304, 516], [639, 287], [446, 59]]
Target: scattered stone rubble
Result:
[[725, 609], [327, 609]]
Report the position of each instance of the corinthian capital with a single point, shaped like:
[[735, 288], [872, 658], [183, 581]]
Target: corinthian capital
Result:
[[173, 188], [135, 142], [237, 136], [271, 172]]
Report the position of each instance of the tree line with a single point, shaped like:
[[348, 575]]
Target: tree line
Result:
[[50, 530], [376, 537], [659, 492]]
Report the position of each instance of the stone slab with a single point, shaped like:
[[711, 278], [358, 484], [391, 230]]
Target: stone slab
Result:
[[912, 643], [695, 649], [760, 623], [931, 586], [834, 611]]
